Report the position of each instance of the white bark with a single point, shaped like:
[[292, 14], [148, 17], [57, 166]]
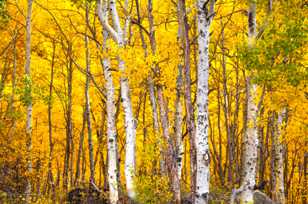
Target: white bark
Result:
[[130, 123], [28, 98], [178, 136], [205, 14], [111, 111], [279, 158], [251, 134], [111, 134], [250, 147], [130, 126]]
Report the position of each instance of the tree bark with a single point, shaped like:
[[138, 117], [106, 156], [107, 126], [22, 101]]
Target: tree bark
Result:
[[11, 107], [87, 96], [226, 108], [112, 153], [205, 10], [178, 137], [279, 158], [150, 80], [190, 120], [68, 119], [119, 35], [250, 143], [80, 149]]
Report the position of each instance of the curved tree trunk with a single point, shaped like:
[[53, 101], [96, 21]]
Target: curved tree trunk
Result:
[[119, 36]]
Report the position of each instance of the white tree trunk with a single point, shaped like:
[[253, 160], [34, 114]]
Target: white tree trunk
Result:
[[111, 110], [130, 123], [111, 135], [178, 131], [178, 136], [250, 147], [28, 91], [279, 159], [130, 126], [205, 14], [251, 135]]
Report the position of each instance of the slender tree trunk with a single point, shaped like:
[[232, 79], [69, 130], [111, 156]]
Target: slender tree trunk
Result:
[[221, 169], [153, 105], [272, 162], [119, 35], [111, 134], [171, 164], [112, 153], [151, 81], [58, 174], [205, 10], [178, 137], [227, 109], [11, 104], [190, 120], [261, 152], [87, 96], [68, 118], [80, 149], [235, 125], [11, 107], [72, 156], [250, 144], [83, 163], [4, 74], [163, 165], [51, 145], [130, 125], [28, 83], [279, 158], [112, 157], [171, 160]]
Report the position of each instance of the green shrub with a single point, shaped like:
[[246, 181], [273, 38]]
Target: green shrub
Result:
[[153, 189]]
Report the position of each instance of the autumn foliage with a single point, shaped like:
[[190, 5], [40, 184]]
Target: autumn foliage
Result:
[[74, 96]]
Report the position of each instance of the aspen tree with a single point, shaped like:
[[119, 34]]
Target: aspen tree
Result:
[[111, 112], [205, 10], [279, 190], [179, 150], [87, 96], [250, 141], [190, 119], [119, 35]]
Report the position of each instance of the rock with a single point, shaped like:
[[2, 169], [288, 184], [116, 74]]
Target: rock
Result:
[[261, 198], [85, 196]]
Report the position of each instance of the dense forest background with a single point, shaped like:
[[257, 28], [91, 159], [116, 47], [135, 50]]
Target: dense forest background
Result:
[[152, 101]]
